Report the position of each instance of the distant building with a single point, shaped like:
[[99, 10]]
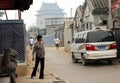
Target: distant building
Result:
[[50, 18], [48, 10], [53, 24]]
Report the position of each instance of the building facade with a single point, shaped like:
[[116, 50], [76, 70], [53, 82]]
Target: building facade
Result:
[[115, 22], [95, 14], [53, 24], [50, 17], [68, 33], [48, 10], [115, 12], [92, 14], [78, 19]]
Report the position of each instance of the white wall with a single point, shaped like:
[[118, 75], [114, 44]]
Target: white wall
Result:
[[67, 35]]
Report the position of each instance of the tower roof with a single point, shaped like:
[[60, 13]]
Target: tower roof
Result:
[[49, 7]]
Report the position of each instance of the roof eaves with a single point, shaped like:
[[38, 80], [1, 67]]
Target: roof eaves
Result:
[[100, 5]]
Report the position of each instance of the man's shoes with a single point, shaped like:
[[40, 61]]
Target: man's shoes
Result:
[[41, 77], [31, 77]]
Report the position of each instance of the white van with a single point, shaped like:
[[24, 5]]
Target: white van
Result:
[[93, 45]]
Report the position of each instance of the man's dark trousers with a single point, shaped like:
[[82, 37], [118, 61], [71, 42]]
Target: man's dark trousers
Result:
[[37, 60]]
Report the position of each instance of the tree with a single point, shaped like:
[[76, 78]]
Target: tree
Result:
[[32, 31], [33, 28], [1, 13]]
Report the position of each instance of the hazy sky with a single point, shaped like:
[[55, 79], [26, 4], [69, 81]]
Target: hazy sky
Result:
[[29, 15]]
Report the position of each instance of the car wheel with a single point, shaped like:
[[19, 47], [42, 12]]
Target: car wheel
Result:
[[74, 60], [110, 61], [83, 61]]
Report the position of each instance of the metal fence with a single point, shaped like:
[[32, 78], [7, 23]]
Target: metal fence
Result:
[[49, 40], [12, 34]]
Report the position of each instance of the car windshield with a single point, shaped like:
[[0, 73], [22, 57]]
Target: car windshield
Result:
[[100, 36]]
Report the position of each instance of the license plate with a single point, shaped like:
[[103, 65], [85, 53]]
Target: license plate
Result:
[[101, 47]]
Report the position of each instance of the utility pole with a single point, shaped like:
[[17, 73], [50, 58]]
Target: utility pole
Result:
[[110, 24], [71, 13], [19, 14], [6, 14]]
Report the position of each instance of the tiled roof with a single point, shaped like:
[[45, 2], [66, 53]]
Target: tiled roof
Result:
[[79, 10], [99, 3], [98, 6], [50, 7]]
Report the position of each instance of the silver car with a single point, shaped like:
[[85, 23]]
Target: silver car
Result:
[[93, 45]]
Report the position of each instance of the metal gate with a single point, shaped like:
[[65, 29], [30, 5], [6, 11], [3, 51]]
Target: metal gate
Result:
[[117, 37]]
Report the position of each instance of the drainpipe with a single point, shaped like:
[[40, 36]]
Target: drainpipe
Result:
[[71, 13], [110, 24]]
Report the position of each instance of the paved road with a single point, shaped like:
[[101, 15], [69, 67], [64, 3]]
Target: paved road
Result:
[[59, 63], [49, 77]]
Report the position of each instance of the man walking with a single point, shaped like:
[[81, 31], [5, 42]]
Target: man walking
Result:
[[57, 42], [31, 41], [40, 57]]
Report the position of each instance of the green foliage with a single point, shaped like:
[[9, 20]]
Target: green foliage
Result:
[[1, 13], [33, 29]]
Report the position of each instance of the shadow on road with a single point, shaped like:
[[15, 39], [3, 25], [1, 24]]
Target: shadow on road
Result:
[[100, 63]]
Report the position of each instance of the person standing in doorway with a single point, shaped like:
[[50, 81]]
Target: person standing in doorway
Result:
[[40, 57], [31, 41], [57, 43]]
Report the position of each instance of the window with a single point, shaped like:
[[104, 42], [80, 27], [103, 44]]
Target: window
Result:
[[48, 21], [79, 40], [55, 21], [100, 36], [104, 22], [41, 22]]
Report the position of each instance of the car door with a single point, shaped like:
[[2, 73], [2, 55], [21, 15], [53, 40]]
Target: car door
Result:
[[76, 46], [73, 45]]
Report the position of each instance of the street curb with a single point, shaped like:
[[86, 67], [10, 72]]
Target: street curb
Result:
[[60, 80]]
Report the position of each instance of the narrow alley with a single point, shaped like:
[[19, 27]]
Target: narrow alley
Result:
[[59, 68]]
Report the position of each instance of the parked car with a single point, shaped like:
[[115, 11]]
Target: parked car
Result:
[[93, 45]]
